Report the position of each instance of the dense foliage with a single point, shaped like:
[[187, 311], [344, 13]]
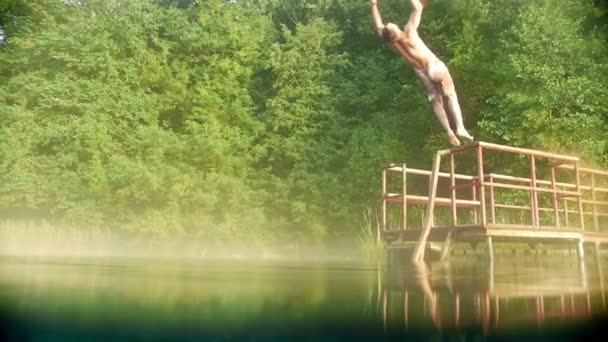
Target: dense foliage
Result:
[[264, 119]]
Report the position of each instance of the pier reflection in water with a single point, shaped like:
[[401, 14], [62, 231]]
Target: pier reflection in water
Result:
[[130, 300], [496, 298]]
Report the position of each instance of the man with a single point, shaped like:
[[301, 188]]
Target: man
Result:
[[433, 72]]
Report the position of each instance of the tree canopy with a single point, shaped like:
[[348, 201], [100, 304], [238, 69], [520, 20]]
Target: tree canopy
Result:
[[262, 120]]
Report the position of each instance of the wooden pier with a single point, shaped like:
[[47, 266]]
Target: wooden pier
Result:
[[555, 201]]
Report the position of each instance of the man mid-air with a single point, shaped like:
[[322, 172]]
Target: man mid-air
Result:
[[433, 72]]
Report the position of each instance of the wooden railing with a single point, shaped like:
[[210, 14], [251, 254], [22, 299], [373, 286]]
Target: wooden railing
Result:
[[483, 186]]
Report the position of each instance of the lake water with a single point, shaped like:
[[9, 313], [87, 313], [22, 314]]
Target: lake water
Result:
[[151, 300]]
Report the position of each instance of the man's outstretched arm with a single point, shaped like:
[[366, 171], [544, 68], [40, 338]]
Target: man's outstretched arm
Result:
[[377, 18], [416, 15]]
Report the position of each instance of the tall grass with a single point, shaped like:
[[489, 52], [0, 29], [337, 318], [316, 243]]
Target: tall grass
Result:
[[370, 239]]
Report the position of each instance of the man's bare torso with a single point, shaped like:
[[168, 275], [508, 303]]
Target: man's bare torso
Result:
[[411, 47]]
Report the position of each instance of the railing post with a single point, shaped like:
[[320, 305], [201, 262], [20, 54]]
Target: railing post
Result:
[[533, 193], [384, 200], [482, 193], [475, 208], [566, 214], [453, 187], [492, 200], [579, 196], [418, 255], [593, 199], [404, 212], [555, 204]]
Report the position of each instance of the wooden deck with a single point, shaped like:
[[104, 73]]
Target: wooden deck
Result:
[[500, 232], [562, 202]]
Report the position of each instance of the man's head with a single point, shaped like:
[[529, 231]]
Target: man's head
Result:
[[390, 32]]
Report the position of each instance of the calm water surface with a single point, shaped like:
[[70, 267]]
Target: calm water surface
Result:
[[127, 300]]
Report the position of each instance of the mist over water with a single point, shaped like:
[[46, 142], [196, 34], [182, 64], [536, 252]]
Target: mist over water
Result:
[[49, 241], [129, 299]]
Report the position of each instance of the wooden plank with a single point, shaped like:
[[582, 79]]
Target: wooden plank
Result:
[[518, 150], [418, 255], [539, 189], [595, 237], [442, 201], [435, 235], [531, 233], [585, 170], [420, 172], [540, 181], [497, 234]]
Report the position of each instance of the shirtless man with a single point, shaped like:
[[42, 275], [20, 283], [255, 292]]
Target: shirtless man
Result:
[[433, 72]]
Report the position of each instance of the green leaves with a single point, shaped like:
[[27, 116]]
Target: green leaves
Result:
[[267, 120]]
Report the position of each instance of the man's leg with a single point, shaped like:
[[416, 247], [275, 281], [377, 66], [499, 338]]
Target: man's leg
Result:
[[437, 102], [454, 106]]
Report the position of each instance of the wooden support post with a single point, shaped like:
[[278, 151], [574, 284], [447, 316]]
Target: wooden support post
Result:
[[384, 216], [385, 308], [482, 193], [581, 261], [593, 198], [541, 311], [475, 208], [567, 217], [405, 309], [600, 273], [588, 304], [418, 255], [562, 306], [579, 249], [477, 306], [572, 307], [404, 187], [457, 309], [491, 256], [579, 197], [492, 201], [453, 192], [555, 203], [490, 249], [486, 314], [379, 285], [435, 310], [496, 311], [447, 247], [533, 193]]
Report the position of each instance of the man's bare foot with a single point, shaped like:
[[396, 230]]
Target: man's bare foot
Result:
[[464, 134], [454, 141]]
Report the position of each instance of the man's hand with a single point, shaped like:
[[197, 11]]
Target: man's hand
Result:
[[422, 3]]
